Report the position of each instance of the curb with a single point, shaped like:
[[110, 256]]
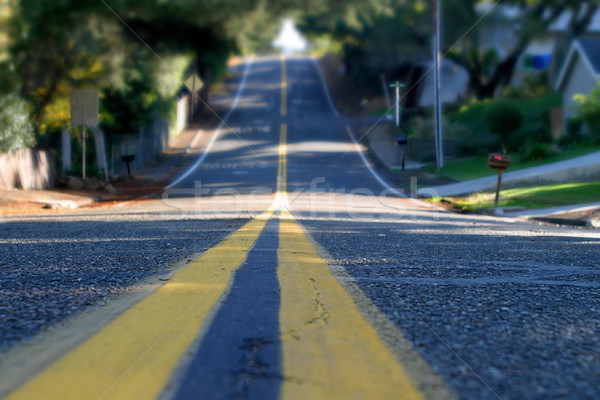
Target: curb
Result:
[[563, 221]]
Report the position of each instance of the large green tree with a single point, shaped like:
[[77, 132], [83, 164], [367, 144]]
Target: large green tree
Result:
[[59, 45]]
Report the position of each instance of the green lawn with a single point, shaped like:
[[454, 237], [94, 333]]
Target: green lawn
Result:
[[476, 167], [534, 197]]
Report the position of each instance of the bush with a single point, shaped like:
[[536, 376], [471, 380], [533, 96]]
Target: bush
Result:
[[16, 131], [424, 129], [589, 108], [535, 132], [503, 118], [575, 126], [477, 146], [532, 151]]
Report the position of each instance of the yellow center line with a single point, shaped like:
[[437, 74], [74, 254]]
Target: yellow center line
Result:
[[282, 171], [283, 87], [329, 350], [134, 356]]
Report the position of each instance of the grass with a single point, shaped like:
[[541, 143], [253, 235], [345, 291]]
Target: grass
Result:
[[533, 197], [476, 167]]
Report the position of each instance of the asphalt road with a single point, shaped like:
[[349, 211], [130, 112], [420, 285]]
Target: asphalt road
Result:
[[337, 288]]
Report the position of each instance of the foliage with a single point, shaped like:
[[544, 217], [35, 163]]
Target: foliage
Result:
[[503, 118], [126, 111], [423, 129], [394, 37], [536, 132], [58, 46], [535, 122], [16, 131], [589, 109], [532, 151], [476, 167]]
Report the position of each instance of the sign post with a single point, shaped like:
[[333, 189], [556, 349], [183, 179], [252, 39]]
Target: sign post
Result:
[[401, 142], [397, 85], [501, 163], [84, 112], [193, 83]]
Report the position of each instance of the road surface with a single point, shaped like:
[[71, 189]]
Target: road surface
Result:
[[280, 264]]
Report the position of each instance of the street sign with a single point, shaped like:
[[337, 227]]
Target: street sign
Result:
[[84, 107], [194, 83], [84, 112]]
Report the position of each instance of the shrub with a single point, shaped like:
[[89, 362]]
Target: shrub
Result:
[[424, 129], [16, 131], [575, 126], [503, 118], [535, 132], [532, 151], [589, 108]]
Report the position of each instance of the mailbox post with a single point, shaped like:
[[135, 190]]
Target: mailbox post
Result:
[[128, 159], [499, 162], [401, 142]]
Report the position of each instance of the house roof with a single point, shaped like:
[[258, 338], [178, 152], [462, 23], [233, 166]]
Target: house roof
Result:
[[589, 51]]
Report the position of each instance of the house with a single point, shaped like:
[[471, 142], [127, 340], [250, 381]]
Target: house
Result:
[[580, 72]]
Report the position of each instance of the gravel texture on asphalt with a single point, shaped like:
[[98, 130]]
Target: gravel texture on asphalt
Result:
[[499, 310], [51, 269]]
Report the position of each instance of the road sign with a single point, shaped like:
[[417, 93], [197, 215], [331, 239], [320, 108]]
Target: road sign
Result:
[[194, 83], [84, 112], [84, 107]]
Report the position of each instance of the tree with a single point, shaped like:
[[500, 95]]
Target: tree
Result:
[[59, 45], [589, 109], [487, 70], [15, 127]]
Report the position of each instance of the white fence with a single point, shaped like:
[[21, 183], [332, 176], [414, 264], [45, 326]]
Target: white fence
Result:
[[27, 169], [146, 146]]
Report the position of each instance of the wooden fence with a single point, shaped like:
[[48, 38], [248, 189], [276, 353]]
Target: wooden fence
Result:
[[27, 169]]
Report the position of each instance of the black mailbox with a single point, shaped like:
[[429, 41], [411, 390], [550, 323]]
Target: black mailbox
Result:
[[128, 159], [498, 161], [401, 140]]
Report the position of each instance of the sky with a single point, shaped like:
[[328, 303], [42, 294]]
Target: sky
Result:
[[289, 38]]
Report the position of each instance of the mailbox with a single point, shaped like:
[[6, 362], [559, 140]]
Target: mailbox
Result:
[[128, 159], [498, 161], [401, 140]]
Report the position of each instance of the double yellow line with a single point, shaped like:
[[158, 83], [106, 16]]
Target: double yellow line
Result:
[[134, 356]]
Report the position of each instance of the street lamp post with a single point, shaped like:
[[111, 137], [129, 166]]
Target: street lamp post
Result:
[[439, 144]]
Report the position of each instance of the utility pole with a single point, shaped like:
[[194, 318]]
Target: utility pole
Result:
[[397, 85], [437, 64]]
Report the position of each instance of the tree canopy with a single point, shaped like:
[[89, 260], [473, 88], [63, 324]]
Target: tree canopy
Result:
[[50, 47]]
